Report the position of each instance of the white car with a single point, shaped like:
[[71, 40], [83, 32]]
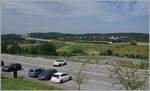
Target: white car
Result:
[[60, 77], [59, 63]]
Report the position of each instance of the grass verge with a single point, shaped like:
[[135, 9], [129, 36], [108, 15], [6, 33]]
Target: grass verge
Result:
[[19, 84]]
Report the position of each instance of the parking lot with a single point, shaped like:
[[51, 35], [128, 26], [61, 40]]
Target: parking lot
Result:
[[97, 75]]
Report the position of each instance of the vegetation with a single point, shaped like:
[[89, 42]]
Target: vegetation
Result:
[[19, 84], [130, 78], [92, 57], [62, 48], [41, 49], [133, 42], [14, 48], [12, 38], [114, 37], [80, 76], [139, 65], [122, 50]]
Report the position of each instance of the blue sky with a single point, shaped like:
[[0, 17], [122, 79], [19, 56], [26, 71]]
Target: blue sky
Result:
[[74, 16]]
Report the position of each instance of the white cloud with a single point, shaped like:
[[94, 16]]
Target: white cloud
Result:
[[79, 8], [38, 16]]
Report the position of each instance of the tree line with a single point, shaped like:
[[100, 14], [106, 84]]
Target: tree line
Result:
[[116, 37], [41, 49]]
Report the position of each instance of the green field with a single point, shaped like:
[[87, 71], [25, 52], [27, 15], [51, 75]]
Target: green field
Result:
[[121, 50], [141, 51], [19, 84]]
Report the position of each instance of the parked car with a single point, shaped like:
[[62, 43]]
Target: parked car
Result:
[[60, 77], [2, 63], [34, 72], [12, 67], [46, 74], [59, 63]]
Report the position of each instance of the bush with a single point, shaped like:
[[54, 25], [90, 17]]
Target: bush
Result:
[[143, 65], [77, 51], [106, 52], [33, 50], [4, 46], [130, 79], [109, 52], [46, 49], [14, 48], [133, 42], [64, 53]]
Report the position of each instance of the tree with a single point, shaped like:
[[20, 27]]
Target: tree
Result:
[[46, 49], [130, 78], [80, 76], [14, 48], [33, 49], [4, 46]]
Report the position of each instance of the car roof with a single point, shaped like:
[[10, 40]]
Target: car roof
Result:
[[59, 73]]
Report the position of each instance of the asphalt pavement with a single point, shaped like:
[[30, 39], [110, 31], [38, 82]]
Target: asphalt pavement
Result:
[[97, 76]]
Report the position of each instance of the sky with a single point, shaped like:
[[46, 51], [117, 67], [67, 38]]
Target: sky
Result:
[[74, 16]]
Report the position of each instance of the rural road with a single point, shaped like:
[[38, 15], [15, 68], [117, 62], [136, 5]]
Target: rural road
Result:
[[97, 75]]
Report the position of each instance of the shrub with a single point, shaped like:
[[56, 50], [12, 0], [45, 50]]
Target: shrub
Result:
[[133, 42], [64, 53], [14, 48], [109, 52], [130, 79], [106, 52], [143, 65], [46, 49]]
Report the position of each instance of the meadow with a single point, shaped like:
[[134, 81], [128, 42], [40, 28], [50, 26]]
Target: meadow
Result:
[[121, 50], [87, 51]]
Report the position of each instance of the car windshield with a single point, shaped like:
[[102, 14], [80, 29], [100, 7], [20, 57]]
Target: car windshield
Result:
[[56, 76], [8, 65], [31, 70]]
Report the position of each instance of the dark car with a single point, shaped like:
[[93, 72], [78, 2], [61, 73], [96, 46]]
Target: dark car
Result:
[[35, 72], [12, 67], [2, 63], [47, 74]]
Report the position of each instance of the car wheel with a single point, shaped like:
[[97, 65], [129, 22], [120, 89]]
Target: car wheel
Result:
[[70, 78], [61, 81]]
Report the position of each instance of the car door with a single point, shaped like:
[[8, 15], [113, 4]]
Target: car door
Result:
[[62, 62], [64, 77]]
